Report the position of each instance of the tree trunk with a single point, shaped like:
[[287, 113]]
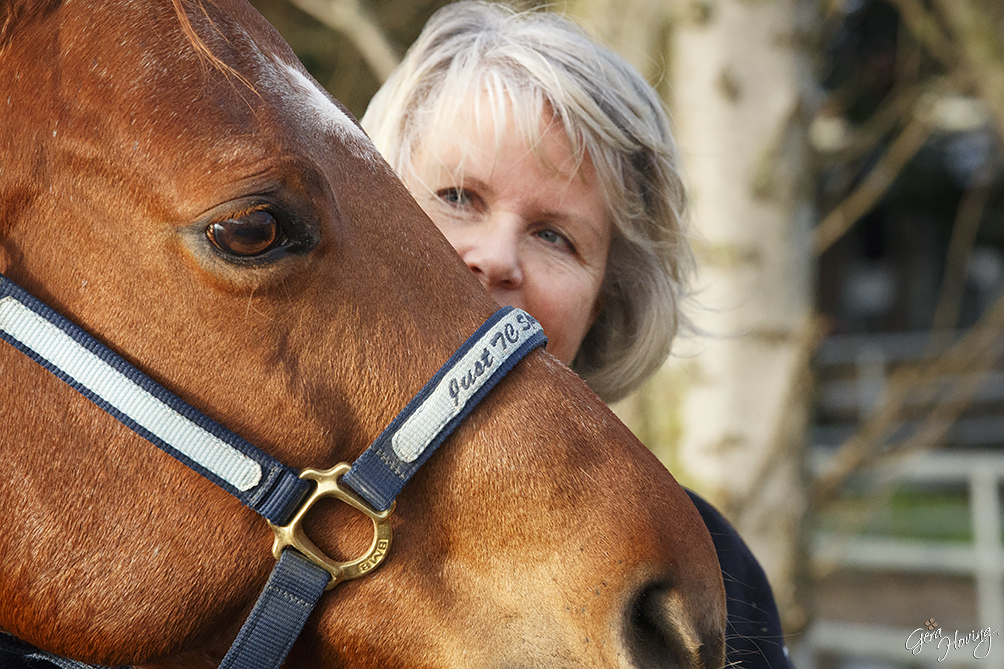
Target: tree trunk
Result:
[[728, 413]]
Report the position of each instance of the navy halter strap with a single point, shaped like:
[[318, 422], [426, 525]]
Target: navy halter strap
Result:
[[275, 491]]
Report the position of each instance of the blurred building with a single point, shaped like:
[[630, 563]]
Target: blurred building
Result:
[[909, 380]]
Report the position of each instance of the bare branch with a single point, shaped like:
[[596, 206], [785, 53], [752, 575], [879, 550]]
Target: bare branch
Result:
[[967, 360], [981, 50], [924, 27], [879, 124], [351, 19], [875, 185], [974, 54], [967, 223]]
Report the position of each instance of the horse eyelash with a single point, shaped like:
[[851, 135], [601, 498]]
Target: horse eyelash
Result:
[[241, 213]]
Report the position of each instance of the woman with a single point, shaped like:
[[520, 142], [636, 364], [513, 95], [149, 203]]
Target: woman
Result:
[[547, 161]]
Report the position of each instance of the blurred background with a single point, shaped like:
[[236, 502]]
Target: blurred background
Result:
[[844, 405]]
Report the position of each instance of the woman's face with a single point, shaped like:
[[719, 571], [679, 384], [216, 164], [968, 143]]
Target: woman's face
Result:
[[536, 236]]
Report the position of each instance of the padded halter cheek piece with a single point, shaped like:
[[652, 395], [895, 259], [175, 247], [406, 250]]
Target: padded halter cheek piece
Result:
[[255, 478]]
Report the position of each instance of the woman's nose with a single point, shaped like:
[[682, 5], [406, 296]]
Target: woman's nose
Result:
[[492, 252]]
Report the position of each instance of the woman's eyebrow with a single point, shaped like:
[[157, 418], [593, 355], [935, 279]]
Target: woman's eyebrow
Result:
[[465, 180]]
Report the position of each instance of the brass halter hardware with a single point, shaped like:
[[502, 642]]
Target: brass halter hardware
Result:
[[292, 534], [301, 575]]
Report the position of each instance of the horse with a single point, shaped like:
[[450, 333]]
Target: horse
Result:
[[174, 181]]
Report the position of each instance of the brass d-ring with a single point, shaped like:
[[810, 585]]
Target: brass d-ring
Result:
[[293, 535]]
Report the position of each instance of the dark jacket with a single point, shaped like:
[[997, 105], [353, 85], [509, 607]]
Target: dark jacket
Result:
[[753, 637]]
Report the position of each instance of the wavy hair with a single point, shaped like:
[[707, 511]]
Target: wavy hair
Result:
[[535, 63]]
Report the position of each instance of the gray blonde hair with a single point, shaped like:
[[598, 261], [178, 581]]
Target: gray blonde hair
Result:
[[536, 63]]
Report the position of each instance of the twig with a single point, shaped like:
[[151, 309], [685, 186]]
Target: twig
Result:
[[880, 123], [933, 429], [967, 223], [972, 353], [864, 197], [981, 49], [924, 27], [351, 19]]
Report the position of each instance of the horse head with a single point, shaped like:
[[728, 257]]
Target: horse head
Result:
[[172, 180]]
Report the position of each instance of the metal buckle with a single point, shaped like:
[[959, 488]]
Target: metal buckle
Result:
[[293, 535]]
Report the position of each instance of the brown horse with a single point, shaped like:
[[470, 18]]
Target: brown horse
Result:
[[172, 180]]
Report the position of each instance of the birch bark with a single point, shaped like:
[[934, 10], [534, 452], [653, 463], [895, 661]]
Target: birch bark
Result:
[[728, 413]]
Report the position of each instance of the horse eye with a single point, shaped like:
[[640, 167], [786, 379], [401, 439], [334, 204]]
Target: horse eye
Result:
[[247, 235]]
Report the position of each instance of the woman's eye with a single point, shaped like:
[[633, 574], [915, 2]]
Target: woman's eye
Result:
[[550, 236], [554, 237], [246, 235], [459, 197]]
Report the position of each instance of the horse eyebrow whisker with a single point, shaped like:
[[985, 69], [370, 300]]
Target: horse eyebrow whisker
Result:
[[247, 310], [202, 49]]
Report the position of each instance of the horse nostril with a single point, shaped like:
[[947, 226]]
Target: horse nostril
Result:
[[660, 634], [647, 637]]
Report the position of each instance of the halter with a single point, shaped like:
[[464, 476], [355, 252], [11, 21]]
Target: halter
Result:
[[277, 492]]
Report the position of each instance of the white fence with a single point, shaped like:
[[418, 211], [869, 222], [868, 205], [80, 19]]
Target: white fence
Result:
[[982, 560]]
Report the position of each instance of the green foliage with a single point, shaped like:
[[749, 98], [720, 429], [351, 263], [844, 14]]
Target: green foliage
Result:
[[909, 513]]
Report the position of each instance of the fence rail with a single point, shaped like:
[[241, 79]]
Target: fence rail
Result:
[[982, 560], [852, 372]]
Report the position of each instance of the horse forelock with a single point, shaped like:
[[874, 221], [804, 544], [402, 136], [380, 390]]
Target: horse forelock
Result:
[[199, 45]]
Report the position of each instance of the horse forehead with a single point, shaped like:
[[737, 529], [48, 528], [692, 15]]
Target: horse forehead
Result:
[[301, 99], [265, 62], [297, 97]]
